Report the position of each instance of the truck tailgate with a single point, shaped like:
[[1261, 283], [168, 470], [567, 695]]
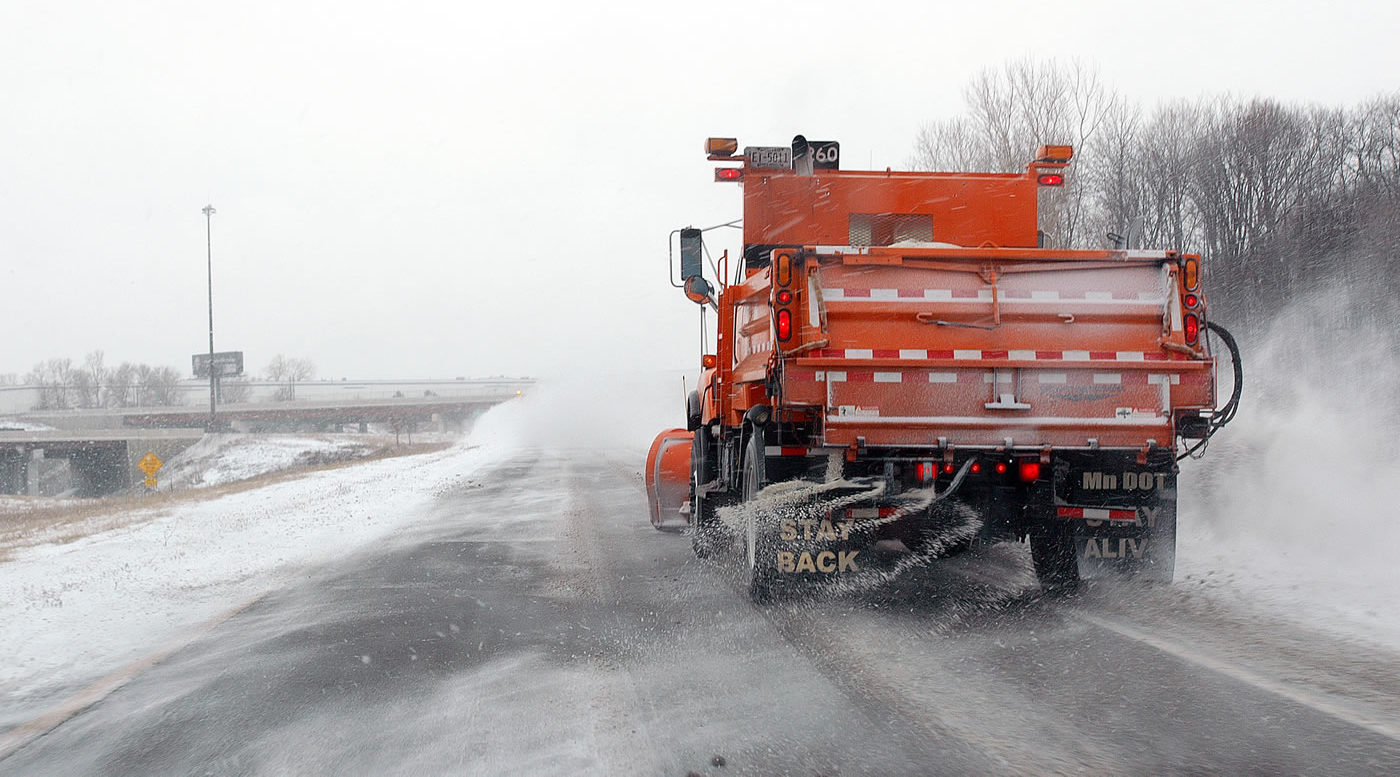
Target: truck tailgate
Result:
[[1038, 353]]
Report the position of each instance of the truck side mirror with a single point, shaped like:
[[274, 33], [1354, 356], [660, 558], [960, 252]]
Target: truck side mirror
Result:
[[691, 255], [699, 290]]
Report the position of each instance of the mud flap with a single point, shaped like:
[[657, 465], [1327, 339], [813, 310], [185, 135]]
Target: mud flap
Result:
[[1123, 516]]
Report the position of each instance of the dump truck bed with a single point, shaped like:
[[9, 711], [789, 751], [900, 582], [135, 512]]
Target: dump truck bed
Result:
[[994, 348]]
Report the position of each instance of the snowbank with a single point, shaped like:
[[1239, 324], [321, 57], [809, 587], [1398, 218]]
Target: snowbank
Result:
[[224, 458]]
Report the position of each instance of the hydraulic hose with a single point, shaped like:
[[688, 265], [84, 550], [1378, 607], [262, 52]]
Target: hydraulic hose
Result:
[[1226, 413]]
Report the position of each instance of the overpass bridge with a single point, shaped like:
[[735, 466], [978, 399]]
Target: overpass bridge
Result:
[[93, 452]]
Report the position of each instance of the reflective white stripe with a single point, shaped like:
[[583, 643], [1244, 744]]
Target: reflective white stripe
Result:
[[1045, 295], [1053, 377], [1000, 423], [1094, 513], [834, 294], [938, 293], [1151, 296], [997, 377], [1159, 379], [942, 377], [1098, 295], [884, 293], [984, 294], [1107, 377], [821, 375], [835, 377], [916, 353], [889, 377]]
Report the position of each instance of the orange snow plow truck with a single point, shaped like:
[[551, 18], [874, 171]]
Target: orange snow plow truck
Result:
[[901, 370]]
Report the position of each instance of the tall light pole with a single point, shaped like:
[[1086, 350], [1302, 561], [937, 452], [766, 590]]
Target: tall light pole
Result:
[[209, 245]]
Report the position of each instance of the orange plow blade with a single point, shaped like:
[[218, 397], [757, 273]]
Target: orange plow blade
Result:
[[668, 479]]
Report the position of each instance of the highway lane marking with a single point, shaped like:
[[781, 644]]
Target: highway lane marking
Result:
[[1315, 702], [25, 734]]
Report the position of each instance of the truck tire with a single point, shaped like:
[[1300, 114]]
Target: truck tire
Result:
[[1056, 562], [759, 560]]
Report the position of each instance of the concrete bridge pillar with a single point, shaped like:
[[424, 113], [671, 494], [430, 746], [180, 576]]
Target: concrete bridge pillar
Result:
[[14, 471]]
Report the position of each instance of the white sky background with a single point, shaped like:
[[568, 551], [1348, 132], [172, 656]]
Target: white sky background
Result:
[[433, 190]]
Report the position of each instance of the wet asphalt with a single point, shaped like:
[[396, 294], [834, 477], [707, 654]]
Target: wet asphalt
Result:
[[534, 623]]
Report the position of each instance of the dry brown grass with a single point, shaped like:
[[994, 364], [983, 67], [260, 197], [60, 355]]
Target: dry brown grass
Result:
[[63, 523]]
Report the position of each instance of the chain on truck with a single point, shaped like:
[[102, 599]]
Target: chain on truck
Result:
[[901, 369]]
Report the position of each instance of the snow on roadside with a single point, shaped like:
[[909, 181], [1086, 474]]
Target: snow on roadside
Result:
[[224, 458], [74, 611], [16, 425]]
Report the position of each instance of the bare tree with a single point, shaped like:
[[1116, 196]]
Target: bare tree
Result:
[[234, 390], [1013, 111], [54, 379], [121, 383], [158, 385], [289, 371], [97, 376]]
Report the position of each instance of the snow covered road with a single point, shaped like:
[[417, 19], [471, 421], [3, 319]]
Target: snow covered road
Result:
[[517, 615]]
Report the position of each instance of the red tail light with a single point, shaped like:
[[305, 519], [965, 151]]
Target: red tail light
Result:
[[947, 469], [1192, 324], [729, 173], [1192, 301], [1030, 470], [1050, 179], [925, 470], [784, 325], [976, 467], [784, 297], [1001, 468]]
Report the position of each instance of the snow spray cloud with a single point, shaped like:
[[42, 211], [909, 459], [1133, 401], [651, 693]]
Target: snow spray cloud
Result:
[[619, 410], [1308, 470]]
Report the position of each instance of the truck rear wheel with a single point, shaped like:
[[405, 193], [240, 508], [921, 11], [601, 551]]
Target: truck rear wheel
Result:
[[759, 559], [1056, 563]]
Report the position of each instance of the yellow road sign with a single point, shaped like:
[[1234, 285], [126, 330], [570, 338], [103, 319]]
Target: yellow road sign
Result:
[[150, 464], [150, 481]]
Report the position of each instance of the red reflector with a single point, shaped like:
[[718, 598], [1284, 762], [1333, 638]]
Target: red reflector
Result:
[[784, 325], [1050, 179], [1193, 328], [729, 173], [784, 297], [976, 467], [1192, 300], [1030, 470], [1001, 468], [947, 469]]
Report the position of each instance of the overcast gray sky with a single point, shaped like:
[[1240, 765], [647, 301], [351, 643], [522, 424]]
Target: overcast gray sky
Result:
[[433, 190]]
